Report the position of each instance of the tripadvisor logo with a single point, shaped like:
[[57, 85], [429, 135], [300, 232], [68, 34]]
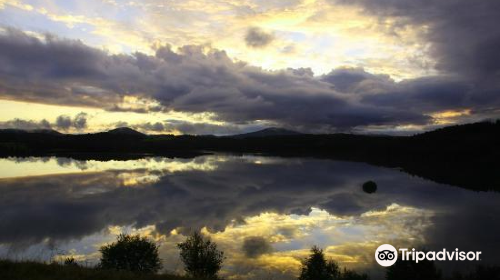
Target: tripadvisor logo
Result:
[[387, 255]]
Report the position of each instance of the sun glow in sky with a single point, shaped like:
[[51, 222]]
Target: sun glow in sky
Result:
[[225, 66]]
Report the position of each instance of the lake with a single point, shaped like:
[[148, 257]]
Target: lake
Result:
[[265, 213]]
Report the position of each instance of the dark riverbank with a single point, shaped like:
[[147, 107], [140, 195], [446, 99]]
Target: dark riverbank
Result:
[[464, 156]]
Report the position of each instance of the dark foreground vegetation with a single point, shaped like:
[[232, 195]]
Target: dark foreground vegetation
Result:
[[131, 253], [427, 270], [464, 155], [136, 258], [131, 257], [10, 270]]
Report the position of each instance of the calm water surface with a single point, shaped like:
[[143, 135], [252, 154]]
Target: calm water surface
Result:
[[264, 212]]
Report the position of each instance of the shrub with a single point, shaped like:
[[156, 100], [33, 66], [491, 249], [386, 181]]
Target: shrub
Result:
[[201, 257], [131, 253]]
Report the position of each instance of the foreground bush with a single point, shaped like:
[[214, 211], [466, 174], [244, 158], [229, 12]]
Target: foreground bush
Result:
[[201, 257], [132, 253]]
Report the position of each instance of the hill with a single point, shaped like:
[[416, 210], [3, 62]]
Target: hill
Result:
[[125, 131], [463, 155], [267, 132]]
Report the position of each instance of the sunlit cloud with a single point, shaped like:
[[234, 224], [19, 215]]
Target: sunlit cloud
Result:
[[328, 35], [450, 116]]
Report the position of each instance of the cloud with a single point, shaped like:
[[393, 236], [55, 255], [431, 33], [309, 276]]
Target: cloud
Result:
[[254, 246], [25, 124], [277, 186], [80, 121], [200, 79], [350, 79], [463, 41], [257, 38], [194, 128], [193, 79], [65, 122], [62, 122]]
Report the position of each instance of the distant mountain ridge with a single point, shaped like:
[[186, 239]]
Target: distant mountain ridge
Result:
[[472, 130], [271, 131], [125, 131], [462, 155]]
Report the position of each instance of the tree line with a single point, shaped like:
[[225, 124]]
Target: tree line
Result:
[[203, 260]]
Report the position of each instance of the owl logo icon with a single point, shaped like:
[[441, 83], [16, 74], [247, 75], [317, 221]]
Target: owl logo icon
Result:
[[386, 255]]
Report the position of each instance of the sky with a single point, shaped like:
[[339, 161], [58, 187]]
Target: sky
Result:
[[225, 66]]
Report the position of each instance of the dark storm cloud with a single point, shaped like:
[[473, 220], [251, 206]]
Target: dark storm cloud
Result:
[[428, 95], [192, 79], [350, 79], [464, 34], [255, 246], [258, 38], [425, 95], [464, 38]]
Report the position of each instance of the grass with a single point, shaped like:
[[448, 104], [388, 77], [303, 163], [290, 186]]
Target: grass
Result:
[[26, 270]]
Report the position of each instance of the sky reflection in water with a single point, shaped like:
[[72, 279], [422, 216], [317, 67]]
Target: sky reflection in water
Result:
[[58, 207]]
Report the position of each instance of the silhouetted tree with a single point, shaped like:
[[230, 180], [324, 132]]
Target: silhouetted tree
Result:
[[409, 270], [132, 253], [201, 257], [315, 267]]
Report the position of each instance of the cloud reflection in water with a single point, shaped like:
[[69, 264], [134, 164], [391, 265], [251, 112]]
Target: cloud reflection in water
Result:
[[292, 204]]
